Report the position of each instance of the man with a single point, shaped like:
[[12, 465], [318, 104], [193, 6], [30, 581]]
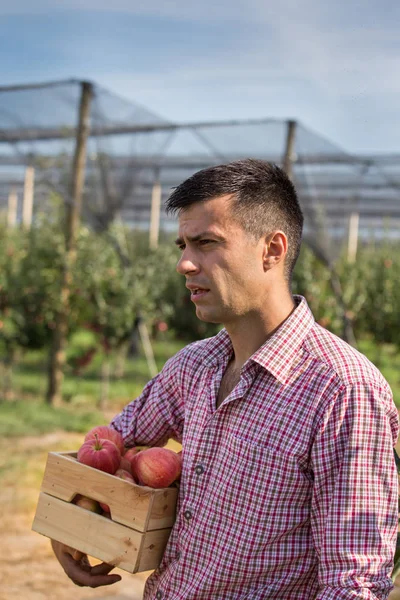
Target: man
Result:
[[289, 486]]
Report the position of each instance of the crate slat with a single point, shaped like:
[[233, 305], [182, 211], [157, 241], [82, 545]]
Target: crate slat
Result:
[[98, 536]]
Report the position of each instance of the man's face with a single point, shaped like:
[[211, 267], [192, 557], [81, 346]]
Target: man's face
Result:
[[222, 264]]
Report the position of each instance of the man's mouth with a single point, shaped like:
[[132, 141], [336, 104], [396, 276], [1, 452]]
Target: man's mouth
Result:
[[197, 293]]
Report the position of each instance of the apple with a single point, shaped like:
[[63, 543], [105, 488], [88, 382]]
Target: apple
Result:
[[123, 474], [156, 467], [87, 503], [104, 432], [105, 508], [127, 457], [100, 454]]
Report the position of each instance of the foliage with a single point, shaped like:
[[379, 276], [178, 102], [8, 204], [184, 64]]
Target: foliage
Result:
[[28, 415], [371, 291], [30, 268], [117, 279]]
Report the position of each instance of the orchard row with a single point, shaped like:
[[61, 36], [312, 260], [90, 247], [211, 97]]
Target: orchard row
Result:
[[116, 279]]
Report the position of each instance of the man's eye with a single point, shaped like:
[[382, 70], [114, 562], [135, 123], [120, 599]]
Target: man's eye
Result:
[[204, 242], [182, 247]]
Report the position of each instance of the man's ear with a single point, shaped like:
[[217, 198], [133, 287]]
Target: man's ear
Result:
[[275, 250]]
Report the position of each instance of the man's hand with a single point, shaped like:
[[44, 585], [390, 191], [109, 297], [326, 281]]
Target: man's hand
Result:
[[76, 565]]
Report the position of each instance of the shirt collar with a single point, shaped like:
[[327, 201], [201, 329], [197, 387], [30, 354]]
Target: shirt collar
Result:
[[278, 353]]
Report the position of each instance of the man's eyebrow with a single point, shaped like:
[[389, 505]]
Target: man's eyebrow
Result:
[[195, 238]]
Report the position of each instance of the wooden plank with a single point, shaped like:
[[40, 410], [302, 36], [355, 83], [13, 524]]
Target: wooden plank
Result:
[[98, 536], [139, 507], [88, 532], [152, 549], [163, 509]]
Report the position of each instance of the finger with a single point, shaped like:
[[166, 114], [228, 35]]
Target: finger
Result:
[[76, 555], [81, 573], [94, 581], [102, 569]]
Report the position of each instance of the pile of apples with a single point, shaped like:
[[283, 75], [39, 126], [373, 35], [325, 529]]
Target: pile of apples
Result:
[[103, 449]]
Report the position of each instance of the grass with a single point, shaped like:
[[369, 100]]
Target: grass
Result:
[[28, 414], [32, 417], [386, 357]]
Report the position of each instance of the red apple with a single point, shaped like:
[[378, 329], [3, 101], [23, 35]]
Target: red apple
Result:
[[105, 508], [100, 454], [123, 474], [156, 467], [87, 503], [127, 457], [104, 432]]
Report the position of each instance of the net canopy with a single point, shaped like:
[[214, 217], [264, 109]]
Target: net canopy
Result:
[[131, 148]]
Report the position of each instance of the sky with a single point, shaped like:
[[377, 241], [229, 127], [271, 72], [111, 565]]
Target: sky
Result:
[[333, 66]]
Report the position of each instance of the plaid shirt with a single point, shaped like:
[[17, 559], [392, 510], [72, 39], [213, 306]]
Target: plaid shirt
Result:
[[289, 488]]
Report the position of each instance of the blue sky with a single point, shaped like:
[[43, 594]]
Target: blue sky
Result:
[[334, 66]]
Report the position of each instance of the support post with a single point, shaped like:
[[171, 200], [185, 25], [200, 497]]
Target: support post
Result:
[[147, 347], [27, 204], [12, 209], [73, 212], [353, 237], [155, 211], [289, 155]]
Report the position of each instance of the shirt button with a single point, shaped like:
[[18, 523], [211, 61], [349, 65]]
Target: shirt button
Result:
[[188, 515], [199, 469], [159, 595], [178, 555]]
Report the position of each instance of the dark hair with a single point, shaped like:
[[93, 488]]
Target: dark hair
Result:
[[264, 199]]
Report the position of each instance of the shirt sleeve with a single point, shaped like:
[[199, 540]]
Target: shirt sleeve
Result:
[[158, 413], [354, 514]]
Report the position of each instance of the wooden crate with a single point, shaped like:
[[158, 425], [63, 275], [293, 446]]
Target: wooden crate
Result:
[[135, 537]]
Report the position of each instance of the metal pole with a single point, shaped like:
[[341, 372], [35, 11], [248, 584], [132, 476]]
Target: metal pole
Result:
[[57, 355]]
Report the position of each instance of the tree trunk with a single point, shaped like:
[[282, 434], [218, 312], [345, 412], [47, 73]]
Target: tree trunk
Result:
[[105, 383], [57, 352], [7, 379], [336, 286], [120, 361]]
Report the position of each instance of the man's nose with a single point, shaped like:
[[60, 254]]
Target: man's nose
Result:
[[186, 264]]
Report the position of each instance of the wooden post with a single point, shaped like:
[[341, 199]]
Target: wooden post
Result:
[[73, 211], [147, 347], [155, 211], [353, 237], [105, 382], [289, 155], [27, 204], [12, 209]]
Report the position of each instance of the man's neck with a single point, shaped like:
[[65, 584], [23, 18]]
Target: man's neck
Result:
[[249, 334]]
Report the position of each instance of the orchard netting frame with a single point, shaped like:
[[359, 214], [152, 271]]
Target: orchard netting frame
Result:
[[135, 157]]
